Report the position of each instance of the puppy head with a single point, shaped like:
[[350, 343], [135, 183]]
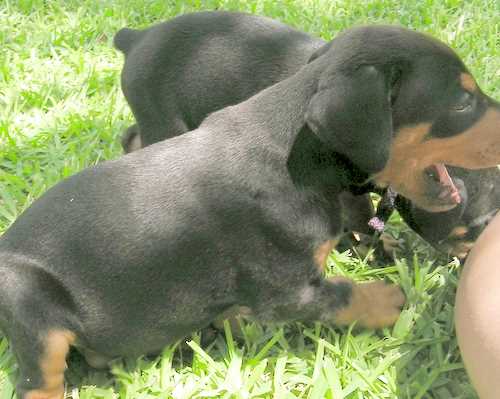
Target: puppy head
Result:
[[401, 105], [455, 231]]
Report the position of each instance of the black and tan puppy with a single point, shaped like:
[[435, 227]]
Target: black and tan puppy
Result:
[[456, 231], [242, 210], [178, 72]]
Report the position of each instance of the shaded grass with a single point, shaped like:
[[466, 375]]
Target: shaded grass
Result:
[[61, 110]]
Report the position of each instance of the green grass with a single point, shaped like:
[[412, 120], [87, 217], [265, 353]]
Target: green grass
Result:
[[61, 110]]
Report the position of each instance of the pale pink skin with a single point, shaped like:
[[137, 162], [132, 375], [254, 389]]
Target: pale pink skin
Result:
[[477, 313]]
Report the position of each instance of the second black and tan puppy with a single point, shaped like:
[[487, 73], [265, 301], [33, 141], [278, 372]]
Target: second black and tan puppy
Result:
[[128, 256], [456, 231], [178, 72]]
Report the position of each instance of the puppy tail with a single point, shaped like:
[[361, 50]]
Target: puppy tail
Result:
[[125, 39]]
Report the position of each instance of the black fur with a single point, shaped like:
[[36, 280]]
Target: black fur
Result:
[[172, 77], [161, 62]]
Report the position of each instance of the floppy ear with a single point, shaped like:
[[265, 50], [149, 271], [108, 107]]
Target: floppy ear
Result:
[[351, 114]]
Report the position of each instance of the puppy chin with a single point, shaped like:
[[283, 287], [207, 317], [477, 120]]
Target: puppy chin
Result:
[[432, 203], [429, 196]]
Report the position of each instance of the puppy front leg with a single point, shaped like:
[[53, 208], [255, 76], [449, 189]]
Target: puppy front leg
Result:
[[42, 362], [342, 301], [373, 305]]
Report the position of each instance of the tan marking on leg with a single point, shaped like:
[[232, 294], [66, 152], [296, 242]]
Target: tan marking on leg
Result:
[[462, 249], [322, 251], [372, 305], [412, 151], [468, 82], [53, 365]]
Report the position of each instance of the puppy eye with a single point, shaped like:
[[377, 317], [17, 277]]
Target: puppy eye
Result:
[[464, 104]]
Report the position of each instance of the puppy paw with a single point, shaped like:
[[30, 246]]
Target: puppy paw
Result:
[[57, 393], [457, 243], [372, 305], [461, 249], [390, 244]]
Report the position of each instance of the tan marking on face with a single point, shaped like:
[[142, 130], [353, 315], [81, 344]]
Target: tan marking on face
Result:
[[468, 82], [404, 172], [458, 232], [322, 251], [53, 365], [476, 148], [413, 151], [372, 305]]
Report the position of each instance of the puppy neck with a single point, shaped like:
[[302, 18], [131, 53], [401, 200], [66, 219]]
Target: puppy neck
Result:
[[310, 164], [274, 117]]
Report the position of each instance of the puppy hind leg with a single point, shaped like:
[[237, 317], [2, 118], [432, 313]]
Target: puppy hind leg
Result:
[[37, 314], [42, 362]]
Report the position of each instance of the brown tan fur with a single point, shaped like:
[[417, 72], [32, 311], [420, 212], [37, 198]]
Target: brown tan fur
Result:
[[468, 82], [53, 365], [372, 305], [322, 251], [461, 249], [458, 232], [476, 148], [456, 243], [412, 152]]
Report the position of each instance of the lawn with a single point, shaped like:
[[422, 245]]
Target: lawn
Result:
[[61, 109]]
